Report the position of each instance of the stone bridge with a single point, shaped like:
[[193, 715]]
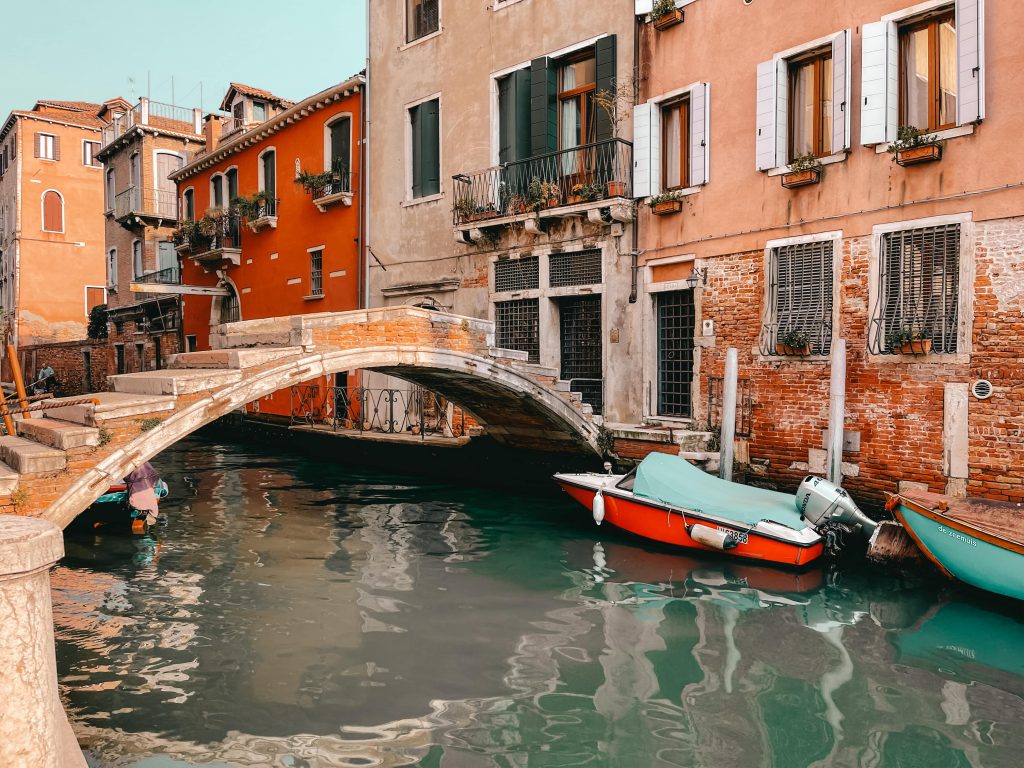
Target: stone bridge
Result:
[[59, 464]]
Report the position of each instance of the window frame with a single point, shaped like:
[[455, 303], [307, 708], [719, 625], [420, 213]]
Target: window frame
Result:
[[53, 156], [407, 13], [676, 103], [816, 58], [932, 21], [261, 170], [42, 211], [138, 259], [188, 204], [92, 162], [580, 91], [313, 272], [410, 198], [112, 269], [110, 188], [217, 183]]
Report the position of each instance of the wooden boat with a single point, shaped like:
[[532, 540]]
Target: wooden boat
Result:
[[977, 541], [669, 500], [112, 510]]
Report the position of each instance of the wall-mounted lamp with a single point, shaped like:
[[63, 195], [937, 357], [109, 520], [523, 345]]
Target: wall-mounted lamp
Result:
[[697, 276]]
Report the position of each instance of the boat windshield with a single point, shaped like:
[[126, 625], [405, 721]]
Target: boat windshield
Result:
[[626, 483]]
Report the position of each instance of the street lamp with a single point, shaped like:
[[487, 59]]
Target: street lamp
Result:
[[697, 276]]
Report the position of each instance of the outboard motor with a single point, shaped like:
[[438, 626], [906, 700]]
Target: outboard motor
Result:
[[830, 511]]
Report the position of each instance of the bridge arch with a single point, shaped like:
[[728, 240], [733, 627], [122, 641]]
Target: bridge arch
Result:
[[513, 405]]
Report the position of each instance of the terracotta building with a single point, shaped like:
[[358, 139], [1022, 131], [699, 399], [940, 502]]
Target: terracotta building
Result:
[[139, 150], [271, 213], [51, 221], [823, 216]]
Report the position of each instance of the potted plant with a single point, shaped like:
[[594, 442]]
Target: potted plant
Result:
[[664, 14], [314, 182], [585, 193], [912, 147], [516, 204], [616, 188], [803, 170], [909, 341], [665, 203], [543, 194], [794, 342]]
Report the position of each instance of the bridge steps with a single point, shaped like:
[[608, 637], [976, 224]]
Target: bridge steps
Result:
[[112, 405], [246, 357], [174, 382], [8, 480], [25, 456], [61, 435]]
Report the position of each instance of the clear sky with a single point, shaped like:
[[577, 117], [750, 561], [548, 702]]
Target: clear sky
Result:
[[93, 50]]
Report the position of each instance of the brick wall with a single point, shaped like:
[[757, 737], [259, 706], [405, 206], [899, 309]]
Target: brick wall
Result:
[[133, 340], [68, 362]]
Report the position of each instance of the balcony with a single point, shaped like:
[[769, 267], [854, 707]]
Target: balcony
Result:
[[168, 276], [137, 203], [154, 114], [211, 241], [231, 124], [581, 181], [335, 188], [262, 215]]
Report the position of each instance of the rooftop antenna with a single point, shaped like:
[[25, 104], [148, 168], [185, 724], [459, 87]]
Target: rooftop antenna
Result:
[[172, 90], [149, 84], [131, 87]]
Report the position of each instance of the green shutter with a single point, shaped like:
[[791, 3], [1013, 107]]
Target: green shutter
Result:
[[417, 151], [341, 151], [543, 119], [521, 143], [431, 148], [506, 119], [605, 80]]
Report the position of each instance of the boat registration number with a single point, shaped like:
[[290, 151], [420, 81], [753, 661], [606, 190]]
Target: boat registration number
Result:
[[741, 537]]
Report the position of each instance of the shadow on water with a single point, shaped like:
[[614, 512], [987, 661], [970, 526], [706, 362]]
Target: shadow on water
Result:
[[294, 611]]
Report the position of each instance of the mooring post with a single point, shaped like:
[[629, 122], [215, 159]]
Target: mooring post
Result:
[[728, 436], [837, 412], [34, 730]]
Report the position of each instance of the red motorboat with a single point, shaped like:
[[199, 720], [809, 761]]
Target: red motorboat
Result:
[[669, 500]]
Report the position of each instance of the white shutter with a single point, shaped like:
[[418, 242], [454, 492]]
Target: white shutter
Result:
[[642, 149], [970, 54], [643, 7], [699, 134], [841, 91], [781, 111], [655, 149], [765, 115], [875, 77]]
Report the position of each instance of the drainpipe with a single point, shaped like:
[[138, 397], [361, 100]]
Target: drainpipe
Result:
[[635, 227], [364, 196]]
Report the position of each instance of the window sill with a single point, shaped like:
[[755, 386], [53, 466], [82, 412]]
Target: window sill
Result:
[[932, 358], [949, 133], [838, 157], [314, 297], [418, 40], [427, 199], [500, 5]]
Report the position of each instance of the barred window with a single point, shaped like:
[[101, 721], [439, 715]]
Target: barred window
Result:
[[800, 286], [316, 273], [918, 290], [516, 274], [575, 268], [517, 326]]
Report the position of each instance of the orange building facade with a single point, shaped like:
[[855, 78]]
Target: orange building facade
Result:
[[271, 214]]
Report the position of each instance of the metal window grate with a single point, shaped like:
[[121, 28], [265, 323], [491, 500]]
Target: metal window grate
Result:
[[316, 273], [580, 325], [575, 268], [800, 285], [744, 405], [676, 319], [918, 293], [517, 326], [520, 274]]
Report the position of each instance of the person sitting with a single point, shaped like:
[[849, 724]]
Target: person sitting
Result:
[[142, 498], [45, 380]]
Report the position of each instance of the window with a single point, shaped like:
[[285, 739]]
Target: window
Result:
[[140, 356], [580, 334], [918, 289], [520, 274], [217, 191], [119, 357], [230, 306], [95, 295], [137, 265], [810, 105], [424, 120], [47, 146], [928, 73], [675, 320], [577, 80], [53, 211], [517, 326], [89, 150], [189, 204], [112, 269], [574, 268], [316, 273], [339, 150], [514, 116], [191, 343], [800, 291], [268, 172], [110, 189], [259, 111], [422, 18], [232, 181], [675, 144]]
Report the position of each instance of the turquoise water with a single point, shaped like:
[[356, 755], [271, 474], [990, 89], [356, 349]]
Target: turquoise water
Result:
[[303, 614]]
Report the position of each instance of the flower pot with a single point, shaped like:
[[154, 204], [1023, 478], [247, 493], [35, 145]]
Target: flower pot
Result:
[[675, 16], [926, 153], [553, 203], [916, 347], [791, 351], [366, 426], [415, 429], [801, 178], [573, 199], [616, 189], [666, 207]]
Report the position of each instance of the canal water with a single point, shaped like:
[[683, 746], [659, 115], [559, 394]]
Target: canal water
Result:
[[299, 613]]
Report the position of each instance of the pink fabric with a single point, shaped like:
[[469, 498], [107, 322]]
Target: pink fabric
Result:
[[142, 488]]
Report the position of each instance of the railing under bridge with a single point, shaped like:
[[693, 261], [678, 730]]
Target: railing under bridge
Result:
[[386, 411]]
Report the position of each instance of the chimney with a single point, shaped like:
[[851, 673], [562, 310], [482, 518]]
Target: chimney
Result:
[[211, 132]]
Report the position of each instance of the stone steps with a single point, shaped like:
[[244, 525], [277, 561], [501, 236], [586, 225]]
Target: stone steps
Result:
[[174, 382], [54, 433], [26, 456], [8, 480], [112, 405], [248, 357]]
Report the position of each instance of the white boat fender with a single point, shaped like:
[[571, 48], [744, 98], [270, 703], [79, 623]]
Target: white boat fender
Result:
[[598, 507], [713, 537]]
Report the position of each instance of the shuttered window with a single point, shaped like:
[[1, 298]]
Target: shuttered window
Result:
[[928, 73], [520, 274], [514, 117], [89, 150], [422, 18], [800, 289], [189, 200], [426, 153], [517, 326], [47, 146], [53, 211], [918, 289], [268, 172]]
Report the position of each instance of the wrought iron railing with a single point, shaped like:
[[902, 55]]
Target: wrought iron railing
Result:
[[340, 182], [591, 391], [168, 115], [121, 124], [816, 333], [154, 113], [162, 203], [212, 234], [230, 125], [744, 405], [587, 173], [167, 276], [387, 411]]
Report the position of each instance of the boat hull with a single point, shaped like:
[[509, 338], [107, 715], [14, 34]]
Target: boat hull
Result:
[[659, 524], [964, 552]]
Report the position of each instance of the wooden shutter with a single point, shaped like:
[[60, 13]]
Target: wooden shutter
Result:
[[543, 119], [56, 147], [643, 7], [879, 82], [642, 161], [37, 145], [970, 54], [841, 91], [699, 134], [269, 173], [605, 80], [781, 111], [94, 297], [431, 148], [53, 213], [766, 121]]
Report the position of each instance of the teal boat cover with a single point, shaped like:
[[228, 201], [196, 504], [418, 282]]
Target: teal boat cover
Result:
[[673, 480]]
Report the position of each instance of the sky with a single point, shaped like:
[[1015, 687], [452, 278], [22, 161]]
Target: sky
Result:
[[94, 50]]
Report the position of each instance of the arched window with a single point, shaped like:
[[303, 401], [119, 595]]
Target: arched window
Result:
[[230, 308], [189, 204], [110, 189], [217, 191], [338, 149], [53, 211], [268, 172]]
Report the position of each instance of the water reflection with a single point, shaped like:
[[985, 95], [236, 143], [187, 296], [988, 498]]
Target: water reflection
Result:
[[301, 614]]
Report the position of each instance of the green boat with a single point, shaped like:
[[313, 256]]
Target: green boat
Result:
[[977, 541]]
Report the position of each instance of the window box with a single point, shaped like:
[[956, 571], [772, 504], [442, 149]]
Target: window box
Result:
[[667, 207], [926, 153], [915, 347], [796, 179], [791, 351], [670, 19]]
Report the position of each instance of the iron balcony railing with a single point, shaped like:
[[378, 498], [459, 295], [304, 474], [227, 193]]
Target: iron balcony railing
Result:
[[159, 203], [388, 411], [586, 173], [121, 124], [230, 125], [210, 234], [340, 182], [167, 276], [169, 117]]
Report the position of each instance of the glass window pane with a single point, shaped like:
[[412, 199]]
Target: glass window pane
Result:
[[914, 86], [802, 109], [947, 72], [670, 145], [826, 106]]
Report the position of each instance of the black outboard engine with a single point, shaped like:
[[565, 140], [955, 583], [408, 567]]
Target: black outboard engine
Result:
[[830, 511]]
